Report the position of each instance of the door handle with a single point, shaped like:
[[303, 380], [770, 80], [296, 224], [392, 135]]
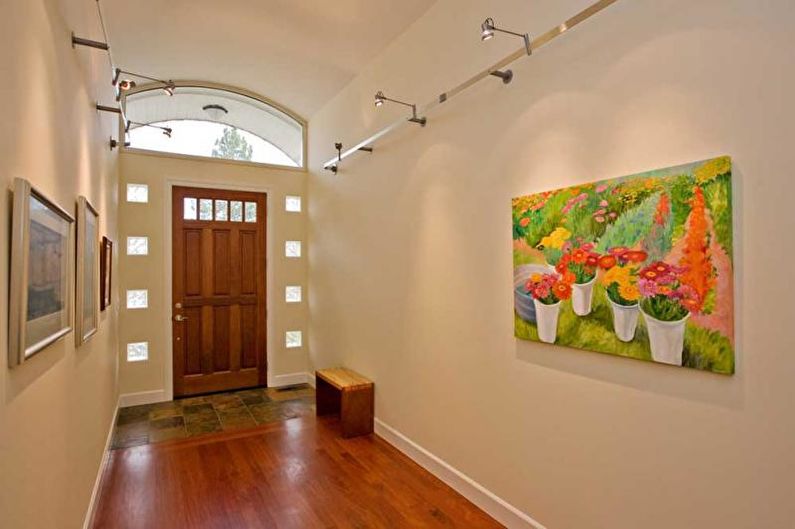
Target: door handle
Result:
[[180, 317]]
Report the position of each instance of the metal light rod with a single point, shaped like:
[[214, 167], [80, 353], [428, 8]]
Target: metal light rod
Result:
[[79, 41], [537, 43]]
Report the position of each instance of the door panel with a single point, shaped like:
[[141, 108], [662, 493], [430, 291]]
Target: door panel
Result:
[[218, 290]]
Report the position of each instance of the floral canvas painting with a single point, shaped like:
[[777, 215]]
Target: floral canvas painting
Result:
[[639, 266]]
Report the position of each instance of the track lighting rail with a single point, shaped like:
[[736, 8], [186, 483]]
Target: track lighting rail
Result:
[[497, 69]]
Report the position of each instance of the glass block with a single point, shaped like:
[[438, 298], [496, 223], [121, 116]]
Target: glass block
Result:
[[292, 203], [206, 209], [292, 294], [137, 245], [221, 210], [138, 193], [251, 212], [137, 299], [293, 339], [189, 209], [292, 249], [138, 352], [236, 210]]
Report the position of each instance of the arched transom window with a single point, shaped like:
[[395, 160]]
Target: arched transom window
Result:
[[213, 122]]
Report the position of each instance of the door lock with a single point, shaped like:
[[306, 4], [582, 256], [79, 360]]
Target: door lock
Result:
[[180, 317]]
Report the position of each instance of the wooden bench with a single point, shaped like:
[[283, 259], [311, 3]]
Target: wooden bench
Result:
[[347, 393]]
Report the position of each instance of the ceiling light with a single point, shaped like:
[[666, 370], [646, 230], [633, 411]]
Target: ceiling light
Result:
[[380, 98], [216, 112], [487, 29]]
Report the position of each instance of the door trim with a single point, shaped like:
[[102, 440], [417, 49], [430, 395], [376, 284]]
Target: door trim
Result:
[[168, 352]]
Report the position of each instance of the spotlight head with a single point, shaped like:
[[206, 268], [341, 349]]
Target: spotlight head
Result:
[[487, 29], [126, 84], [167, 132], [379, 98], [169, 88]]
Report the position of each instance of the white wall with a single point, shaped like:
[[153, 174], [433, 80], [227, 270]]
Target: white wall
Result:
[[55, 409], [411, 274], [150, 380]]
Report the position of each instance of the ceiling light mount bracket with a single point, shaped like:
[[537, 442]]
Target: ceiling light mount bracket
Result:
[[79, 41], [505, 75]]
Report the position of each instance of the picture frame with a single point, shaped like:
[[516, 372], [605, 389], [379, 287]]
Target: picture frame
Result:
[[87, 276], [105, 273], [42, 268]]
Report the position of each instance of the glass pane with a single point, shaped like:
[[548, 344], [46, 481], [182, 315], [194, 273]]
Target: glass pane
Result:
[[137, 299], [221, 210], [90, 263], [251, 212], [189, 209], [292, 249], [206, 209], [137, 193], [137, 245], [293, 339], [48, 274], [138, 352], [236, 208], [292, 203], [292, 294]]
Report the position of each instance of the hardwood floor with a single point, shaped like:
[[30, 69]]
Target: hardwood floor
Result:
[[294, 474]]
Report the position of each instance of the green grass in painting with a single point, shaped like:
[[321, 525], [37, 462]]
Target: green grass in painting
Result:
[[703, 349]]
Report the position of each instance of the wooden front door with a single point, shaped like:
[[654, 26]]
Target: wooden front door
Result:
[[219, 308]]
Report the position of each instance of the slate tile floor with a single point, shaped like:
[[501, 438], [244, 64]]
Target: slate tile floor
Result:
[[189, 417]]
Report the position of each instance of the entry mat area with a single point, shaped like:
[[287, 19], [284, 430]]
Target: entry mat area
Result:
[[193, 416]]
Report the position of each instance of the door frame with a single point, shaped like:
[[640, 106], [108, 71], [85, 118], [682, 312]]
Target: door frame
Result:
[[168, 354]]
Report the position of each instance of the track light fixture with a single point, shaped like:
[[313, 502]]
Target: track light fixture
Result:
[[380, 99], [167, 131], [488, 27], [125, 83]]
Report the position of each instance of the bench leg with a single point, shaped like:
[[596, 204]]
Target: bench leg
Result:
[[357, 412], [327, 398]]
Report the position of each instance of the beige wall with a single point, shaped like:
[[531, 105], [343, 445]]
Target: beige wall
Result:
[[411, 273], [153, 271], [57, 408]]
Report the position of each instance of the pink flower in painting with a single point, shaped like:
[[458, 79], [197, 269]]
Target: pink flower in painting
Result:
[[600, 212], [600, 219], [612, 215], [601, 188], [603, 203], [647, 288]]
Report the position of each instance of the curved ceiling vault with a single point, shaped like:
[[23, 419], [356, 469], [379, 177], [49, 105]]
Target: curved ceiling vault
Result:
[[297, 53]]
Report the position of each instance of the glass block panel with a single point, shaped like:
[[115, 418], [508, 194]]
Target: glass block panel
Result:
[[137, 245], [138, 352], [292, 249], [292, 294], [138, 193], [251, 212], [206, 209], [137, 299], [292, 203], [189, 209], [221, 210], [293, 339], [236, 210]]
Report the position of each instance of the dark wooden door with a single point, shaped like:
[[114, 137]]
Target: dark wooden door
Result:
[[219, 308]]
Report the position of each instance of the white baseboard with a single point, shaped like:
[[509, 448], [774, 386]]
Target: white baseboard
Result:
[[290, 379], [89, 518], [142, 397], [493, 505]]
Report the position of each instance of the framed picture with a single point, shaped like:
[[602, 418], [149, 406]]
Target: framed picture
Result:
[[87, 285], [105, 268], [40, 304]]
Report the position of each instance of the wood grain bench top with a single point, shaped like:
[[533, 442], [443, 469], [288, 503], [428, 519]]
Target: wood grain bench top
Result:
[[342, 378]]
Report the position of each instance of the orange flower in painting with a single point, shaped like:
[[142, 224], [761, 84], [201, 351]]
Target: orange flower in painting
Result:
[[607, 261], [569, 277], [524, 222], [649, 274], [635, 256], [699, 273], [562, 290], [579, 256]]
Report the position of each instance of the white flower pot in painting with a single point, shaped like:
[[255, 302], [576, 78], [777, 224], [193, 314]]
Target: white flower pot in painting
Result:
[[666, 339], [547, 321], [581, 297], [625, 320]]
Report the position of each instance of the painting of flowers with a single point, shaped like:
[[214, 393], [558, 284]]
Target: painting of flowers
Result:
[[639, 266]]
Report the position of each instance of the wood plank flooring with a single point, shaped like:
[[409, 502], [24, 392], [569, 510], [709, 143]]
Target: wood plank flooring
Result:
[[295, 474]]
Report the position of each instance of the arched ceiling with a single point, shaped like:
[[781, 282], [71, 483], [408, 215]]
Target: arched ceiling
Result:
[[299, 53]]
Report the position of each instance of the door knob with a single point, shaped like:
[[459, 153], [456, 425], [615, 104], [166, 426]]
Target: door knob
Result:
[[180, 317]]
